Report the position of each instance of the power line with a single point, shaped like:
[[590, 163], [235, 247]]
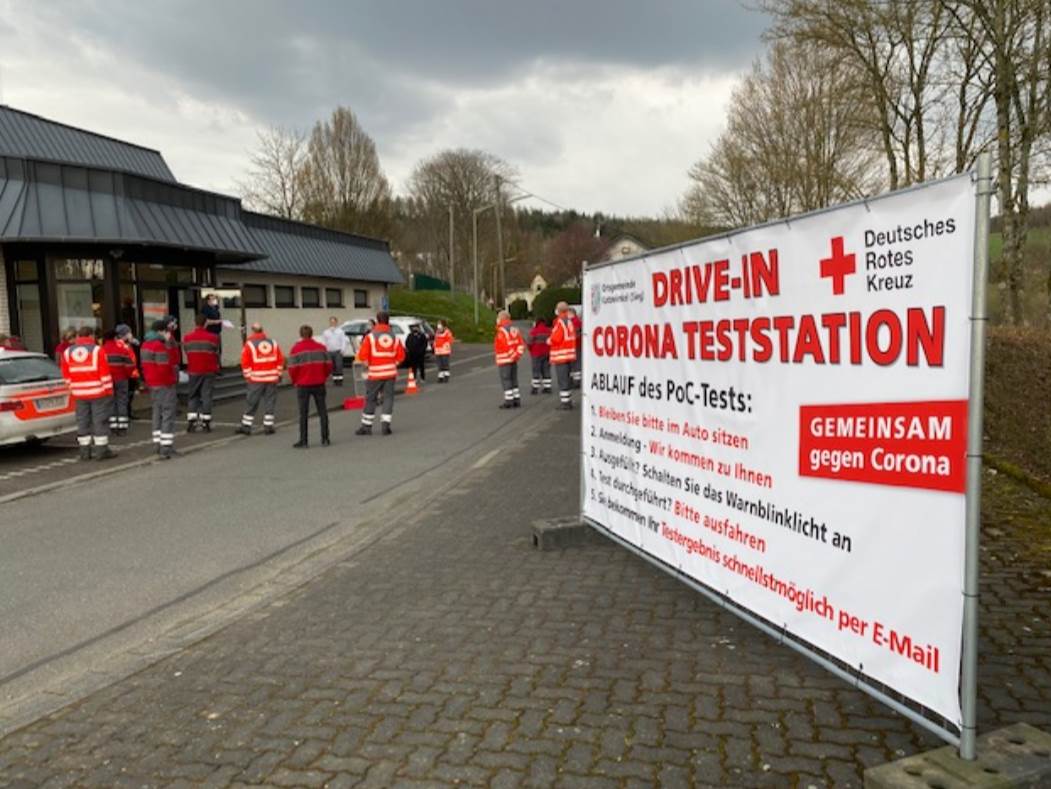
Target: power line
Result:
[[527, 193]]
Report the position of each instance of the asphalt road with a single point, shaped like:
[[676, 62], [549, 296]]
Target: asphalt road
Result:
[[113, 566]]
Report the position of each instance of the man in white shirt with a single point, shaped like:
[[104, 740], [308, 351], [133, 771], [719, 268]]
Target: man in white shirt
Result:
[[336, 343]]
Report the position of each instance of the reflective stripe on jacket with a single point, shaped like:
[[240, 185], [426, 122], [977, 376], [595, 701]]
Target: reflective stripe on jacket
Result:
[[84, 365], [309, 363], [160, 367], [121, 360], [261, 360], [202, 352], [443, 343], [563, 341], [508, 344], [382, 352]]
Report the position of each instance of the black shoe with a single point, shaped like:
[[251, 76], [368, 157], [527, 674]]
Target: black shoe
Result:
[[325, 442], [208, 427], [534, 391], [517, 403], [269, 431], [337, 383], [167, 453], [385, 429], [506, 404], [191, 427], [547, 391], [244, 430], [300, 445], [566, 407], [85, 453], [105, 454], [364, 430]]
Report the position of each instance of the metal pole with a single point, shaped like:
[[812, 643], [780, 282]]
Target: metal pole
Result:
[[452, 265], [584, 415], [474, 247], [500, 247], [975, 402]]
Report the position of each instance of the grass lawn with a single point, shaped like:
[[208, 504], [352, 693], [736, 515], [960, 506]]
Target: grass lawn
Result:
[[456, 309]]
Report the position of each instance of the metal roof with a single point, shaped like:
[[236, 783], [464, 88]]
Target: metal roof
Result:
[[63, 203], [310, 251], [27, 136]]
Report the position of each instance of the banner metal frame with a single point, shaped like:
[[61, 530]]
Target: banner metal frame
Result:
[[965, 738]]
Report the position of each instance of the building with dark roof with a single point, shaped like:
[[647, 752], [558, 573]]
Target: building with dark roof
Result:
[[97, 231]]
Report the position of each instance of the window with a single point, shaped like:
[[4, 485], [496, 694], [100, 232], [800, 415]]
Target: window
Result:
[[255, 296], [361, 298], [310, 297], [334, 297], [284, 296], [234, 303]]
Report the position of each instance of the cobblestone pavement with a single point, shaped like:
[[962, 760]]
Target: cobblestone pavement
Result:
[[452, 652]]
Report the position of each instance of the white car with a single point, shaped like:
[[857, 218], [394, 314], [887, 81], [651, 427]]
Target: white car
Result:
[[399, 326], [35, 403]]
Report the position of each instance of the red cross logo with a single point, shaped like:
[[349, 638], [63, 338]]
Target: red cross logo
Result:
[[838, 266]]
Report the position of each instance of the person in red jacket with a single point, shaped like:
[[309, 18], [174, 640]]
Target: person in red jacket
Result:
[[563, 353], [201, 347], [84, 366], [443, 350], [123, 366], [261, 363], [382, 352], [160, 373], [69, 336], [508, 347], [309, 366], [540, 351]]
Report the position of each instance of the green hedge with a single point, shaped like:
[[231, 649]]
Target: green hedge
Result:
[[545, 301], [519, 309]]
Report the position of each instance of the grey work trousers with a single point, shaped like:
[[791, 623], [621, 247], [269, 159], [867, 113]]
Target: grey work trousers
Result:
[[93, 421], [443, 366], [304, 394], [373, 389], [119, 418], [509, 380], [337, 367], [260, 394], [565, 381], [199, 404], [164, 406], [541, 373]]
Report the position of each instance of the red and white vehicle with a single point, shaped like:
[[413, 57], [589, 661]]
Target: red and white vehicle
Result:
[[35, 403]]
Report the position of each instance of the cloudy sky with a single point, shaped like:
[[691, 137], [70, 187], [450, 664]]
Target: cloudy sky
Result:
[[601, 105]]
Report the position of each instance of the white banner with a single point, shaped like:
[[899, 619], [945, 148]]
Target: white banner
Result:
[[780, 414]]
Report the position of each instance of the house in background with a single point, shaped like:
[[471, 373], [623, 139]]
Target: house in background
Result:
[[528, 293], [624, 246], [96, 231]]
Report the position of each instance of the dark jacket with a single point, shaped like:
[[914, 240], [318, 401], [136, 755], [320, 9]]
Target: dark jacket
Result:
[[416, 346]]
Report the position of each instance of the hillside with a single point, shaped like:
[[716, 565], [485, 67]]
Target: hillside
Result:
[[457, 309]]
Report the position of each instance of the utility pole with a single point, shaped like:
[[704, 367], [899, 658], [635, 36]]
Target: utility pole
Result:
[[500, 245], [452, 264], [474, 248]]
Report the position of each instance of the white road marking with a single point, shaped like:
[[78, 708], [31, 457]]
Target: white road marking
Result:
[[485, 458]]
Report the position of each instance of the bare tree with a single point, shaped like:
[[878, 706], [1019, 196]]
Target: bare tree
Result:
[[797, 138], [343, 184], [274, 183], [1015, 50], [566, 251], [464, 179], [893, 50]]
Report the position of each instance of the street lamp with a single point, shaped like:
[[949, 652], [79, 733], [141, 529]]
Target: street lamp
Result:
[[474, 237]]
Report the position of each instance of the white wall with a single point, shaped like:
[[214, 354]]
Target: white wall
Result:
[[282, 323]]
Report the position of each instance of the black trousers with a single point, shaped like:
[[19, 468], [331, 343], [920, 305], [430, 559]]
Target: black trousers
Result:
[[303, 395], [416, 364]]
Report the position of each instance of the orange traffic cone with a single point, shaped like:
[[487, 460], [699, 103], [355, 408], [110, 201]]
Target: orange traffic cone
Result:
[[410, 387]]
